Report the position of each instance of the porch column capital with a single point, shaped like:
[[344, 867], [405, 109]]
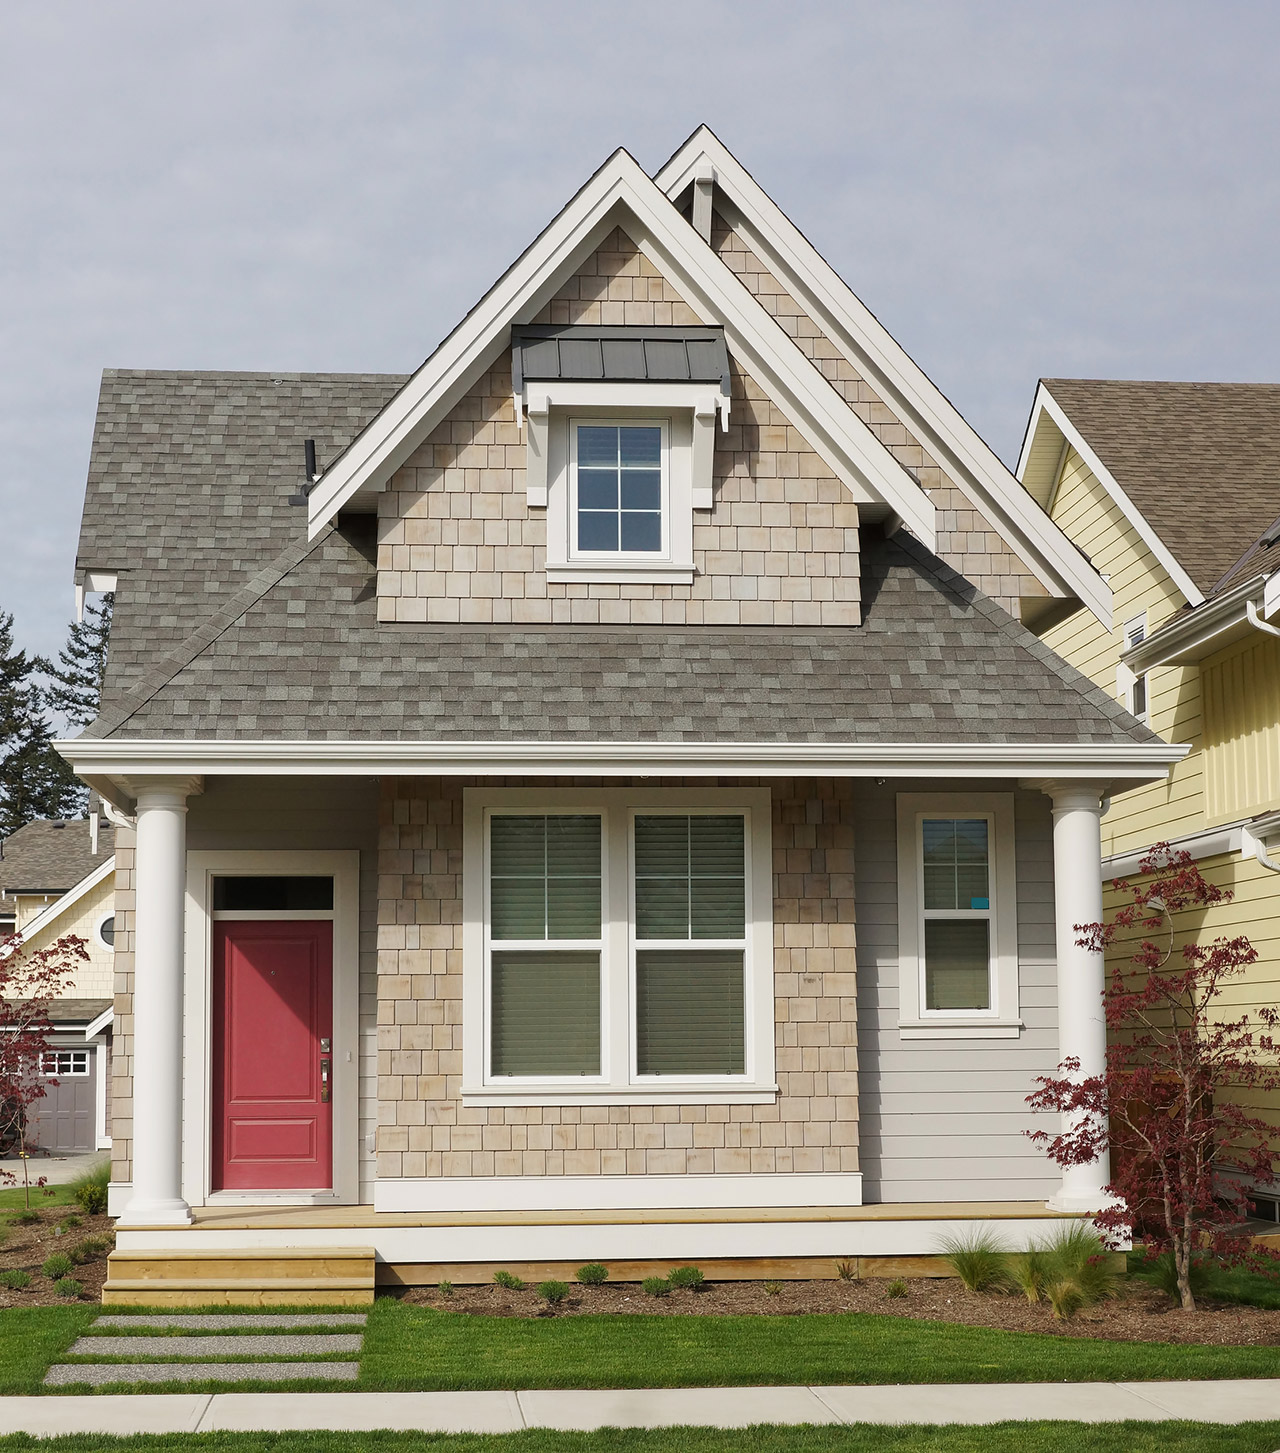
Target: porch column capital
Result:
[[1082, 1028], [160, 875]]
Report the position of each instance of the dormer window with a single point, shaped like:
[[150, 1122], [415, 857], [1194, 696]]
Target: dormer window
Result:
[[618, 488], [620, 441]]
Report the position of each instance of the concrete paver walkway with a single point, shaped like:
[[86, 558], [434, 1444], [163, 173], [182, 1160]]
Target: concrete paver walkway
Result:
[[1235, 1401]]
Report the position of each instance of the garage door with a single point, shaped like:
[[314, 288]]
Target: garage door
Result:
[[64, 1119]]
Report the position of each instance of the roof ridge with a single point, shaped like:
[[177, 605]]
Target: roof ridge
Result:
[[170, 664]]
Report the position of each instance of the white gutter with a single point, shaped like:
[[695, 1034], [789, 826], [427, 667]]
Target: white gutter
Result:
[[111, 765], [1248, 836], [1197, 633]]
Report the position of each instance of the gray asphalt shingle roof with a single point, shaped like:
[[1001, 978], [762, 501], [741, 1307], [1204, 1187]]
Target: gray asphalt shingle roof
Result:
[[934, 661], [1200, 460], [52, 856], [188, 490]]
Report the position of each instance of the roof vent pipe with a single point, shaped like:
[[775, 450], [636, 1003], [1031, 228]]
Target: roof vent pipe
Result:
[[309, 470]]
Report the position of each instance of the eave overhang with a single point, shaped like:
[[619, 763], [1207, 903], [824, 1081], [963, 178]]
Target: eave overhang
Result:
[[882, 361], [621, 194], [1195, 634], [116, 768]]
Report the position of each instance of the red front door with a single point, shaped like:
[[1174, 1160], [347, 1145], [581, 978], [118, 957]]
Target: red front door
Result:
[[273, 1005]]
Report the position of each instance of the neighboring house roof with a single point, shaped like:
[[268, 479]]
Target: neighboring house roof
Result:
[[76, 1013], [52, 912], [1200, 461], [934, 661], [52, 856], [188, 491]]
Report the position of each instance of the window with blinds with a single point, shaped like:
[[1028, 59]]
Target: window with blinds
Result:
[[957, 913], [545, 945], [690, 938]]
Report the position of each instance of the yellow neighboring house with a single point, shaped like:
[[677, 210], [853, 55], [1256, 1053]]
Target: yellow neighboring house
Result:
[[1172, 491], [57, 878]]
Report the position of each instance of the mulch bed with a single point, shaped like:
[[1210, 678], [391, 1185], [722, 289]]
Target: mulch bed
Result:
[[1138, 1314], [27, 1248]]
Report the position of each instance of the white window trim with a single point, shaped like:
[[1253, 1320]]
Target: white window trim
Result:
[[1003, 1019], [197, 1143], [71, 1074], [103, 920], [617, 1084], [608, 559], [1133, 633]]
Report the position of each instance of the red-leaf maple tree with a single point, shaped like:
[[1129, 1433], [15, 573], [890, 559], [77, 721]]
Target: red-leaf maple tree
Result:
[[30, 980], [1180, 1070]]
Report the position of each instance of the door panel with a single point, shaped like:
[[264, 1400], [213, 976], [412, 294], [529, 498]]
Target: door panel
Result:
[[273, 1004], [64, 1120]]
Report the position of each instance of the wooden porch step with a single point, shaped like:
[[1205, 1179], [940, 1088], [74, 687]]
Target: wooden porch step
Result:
[[316, 1276]]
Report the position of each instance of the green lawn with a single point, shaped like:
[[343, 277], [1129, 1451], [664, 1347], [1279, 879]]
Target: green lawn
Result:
[[1239, 1284], [13, 1198], [417, 1349], [1001, 1438]]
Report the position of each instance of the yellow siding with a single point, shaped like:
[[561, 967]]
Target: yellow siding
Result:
[[1242, 729], [1093, 521], [96, 979]]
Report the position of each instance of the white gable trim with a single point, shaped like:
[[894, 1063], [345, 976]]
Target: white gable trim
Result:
[[621, 194], [1046, 406], [868, 345], [53, 911], [104, 1021]]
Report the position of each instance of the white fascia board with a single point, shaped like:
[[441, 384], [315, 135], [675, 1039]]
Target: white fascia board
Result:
[[619, 189], [878, 356], [103, 1021], [126, 763], [1046, 403], [1211, 843], [51, 912]]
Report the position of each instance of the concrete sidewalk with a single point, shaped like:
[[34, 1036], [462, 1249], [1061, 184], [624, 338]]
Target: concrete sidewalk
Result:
[[1246, 1400]]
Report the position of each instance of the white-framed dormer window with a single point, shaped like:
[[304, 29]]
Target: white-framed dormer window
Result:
[[618, 946], [1130, 687], [957, 916], [619, 490]]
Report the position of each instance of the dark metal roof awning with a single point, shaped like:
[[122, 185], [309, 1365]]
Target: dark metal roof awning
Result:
[[582, 353]]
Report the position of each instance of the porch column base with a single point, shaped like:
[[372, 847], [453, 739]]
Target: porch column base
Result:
[[140, 1213]]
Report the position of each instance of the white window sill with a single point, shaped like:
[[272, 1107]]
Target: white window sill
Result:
[[598, 573], [960, 1028], [682, 1094]]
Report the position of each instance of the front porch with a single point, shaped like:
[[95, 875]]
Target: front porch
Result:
[[339, 1255]]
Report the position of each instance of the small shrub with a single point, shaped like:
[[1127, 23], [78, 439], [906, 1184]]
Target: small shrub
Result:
[[69, 1223], [896, 1289], [593, 1274], [978, 1260], [90, 1189], [686, 1276], [445, 1289], [1030, 1271], [1164, 1274], [847, 1270], [506, 1279], [773, 1288], [1072, 1270], [1064, 1296], [656, 1286], [26, 1218], [4, 1235], [553, 1292], [69, 1287], [15, 1280], [92, 1248], [59, 1264]]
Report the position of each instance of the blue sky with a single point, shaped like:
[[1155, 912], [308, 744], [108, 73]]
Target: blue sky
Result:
[[1016, 189]]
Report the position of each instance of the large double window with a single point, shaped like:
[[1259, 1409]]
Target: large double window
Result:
[[622, 944]]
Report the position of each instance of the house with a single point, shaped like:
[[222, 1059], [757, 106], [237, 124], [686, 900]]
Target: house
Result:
[[1172, 490], [60, 877], [596, 797]]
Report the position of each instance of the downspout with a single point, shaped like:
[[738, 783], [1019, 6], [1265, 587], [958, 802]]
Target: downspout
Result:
[[1256, 620], [1258, 847]]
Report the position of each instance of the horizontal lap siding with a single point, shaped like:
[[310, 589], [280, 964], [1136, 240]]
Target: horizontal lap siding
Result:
[[945, 1119], [1094, 522]]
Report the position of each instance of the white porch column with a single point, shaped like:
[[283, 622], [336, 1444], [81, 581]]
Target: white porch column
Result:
[[1082, 1029], [160, 873]]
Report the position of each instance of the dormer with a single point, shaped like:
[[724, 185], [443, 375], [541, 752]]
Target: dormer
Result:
[[620, 428]]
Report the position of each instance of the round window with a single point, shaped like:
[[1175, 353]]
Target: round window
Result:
[[107, 931]]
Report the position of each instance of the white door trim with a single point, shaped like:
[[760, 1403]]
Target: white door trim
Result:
[[197, 1034]]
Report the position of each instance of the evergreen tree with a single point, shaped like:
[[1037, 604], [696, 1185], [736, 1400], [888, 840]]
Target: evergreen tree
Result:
[[34, 780], [76, 681]]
